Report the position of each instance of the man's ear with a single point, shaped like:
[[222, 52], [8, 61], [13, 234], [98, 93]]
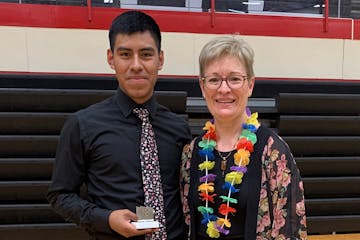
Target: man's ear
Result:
[[110, 58], [161, 60]]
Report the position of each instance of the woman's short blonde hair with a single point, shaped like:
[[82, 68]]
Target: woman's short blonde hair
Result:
[[227, 46]]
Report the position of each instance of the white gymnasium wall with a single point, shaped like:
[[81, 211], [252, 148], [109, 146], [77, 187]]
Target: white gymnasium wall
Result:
[[53, 50], [351, 59], [47, 50]]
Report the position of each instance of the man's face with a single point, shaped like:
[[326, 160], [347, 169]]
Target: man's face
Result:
[[136, 61]]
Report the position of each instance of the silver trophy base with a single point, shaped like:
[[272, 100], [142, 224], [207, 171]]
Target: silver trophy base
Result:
[[143, 224]]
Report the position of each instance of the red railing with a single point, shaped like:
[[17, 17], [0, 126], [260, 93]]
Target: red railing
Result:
[[326, 16], [212, 13], [89, 5], [80, 17]]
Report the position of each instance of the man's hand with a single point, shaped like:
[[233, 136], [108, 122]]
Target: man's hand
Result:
[[120, 222]]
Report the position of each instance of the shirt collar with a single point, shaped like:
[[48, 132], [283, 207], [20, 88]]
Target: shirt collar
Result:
[[126, 104]]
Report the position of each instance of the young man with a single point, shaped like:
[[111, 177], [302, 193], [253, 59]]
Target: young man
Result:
[[100, 146]]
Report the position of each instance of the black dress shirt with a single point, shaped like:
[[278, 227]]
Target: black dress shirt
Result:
[[99, 147]]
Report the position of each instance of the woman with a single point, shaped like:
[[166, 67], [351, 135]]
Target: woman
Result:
[[240, 180]]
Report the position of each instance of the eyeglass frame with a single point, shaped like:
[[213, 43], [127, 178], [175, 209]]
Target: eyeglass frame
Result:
[[226, 79]]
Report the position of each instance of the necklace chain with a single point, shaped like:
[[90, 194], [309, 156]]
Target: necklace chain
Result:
[[223, 161], [226, 157]]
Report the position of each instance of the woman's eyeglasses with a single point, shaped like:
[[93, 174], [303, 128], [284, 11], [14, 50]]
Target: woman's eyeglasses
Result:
[[234, 81]]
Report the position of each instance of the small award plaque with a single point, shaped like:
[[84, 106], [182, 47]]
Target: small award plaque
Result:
[[145, 218]]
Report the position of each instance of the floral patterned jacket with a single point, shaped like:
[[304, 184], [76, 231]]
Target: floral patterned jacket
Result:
[[279, 212]]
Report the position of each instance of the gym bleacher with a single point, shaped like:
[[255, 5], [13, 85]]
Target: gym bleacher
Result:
[[319, 120]]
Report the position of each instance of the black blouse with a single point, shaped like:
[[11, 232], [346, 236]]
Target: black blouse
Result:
[[238, 219], [248, 196]]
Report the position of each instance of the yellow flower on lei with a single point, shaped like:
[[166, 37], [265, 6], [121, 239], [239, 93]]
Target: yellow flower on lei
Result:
[[207, 165], [223, 221], [253, 120], [242, 157], [206, 187], [234, 177], [212, 231], [209, 126]]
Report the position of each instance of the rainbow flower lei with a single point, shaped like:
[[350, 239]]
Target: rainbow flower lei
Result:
[[245, 145]]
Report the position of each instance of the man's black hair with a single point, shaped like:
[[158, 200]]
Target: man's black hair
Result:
[[133, 22]]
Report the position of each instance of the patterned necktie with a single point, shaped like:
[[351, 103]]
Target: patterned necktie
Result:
[[151, 173]]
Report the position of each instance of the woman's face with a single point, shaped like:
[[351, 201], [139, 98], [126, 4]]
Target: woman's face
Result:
[[225, 103]]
